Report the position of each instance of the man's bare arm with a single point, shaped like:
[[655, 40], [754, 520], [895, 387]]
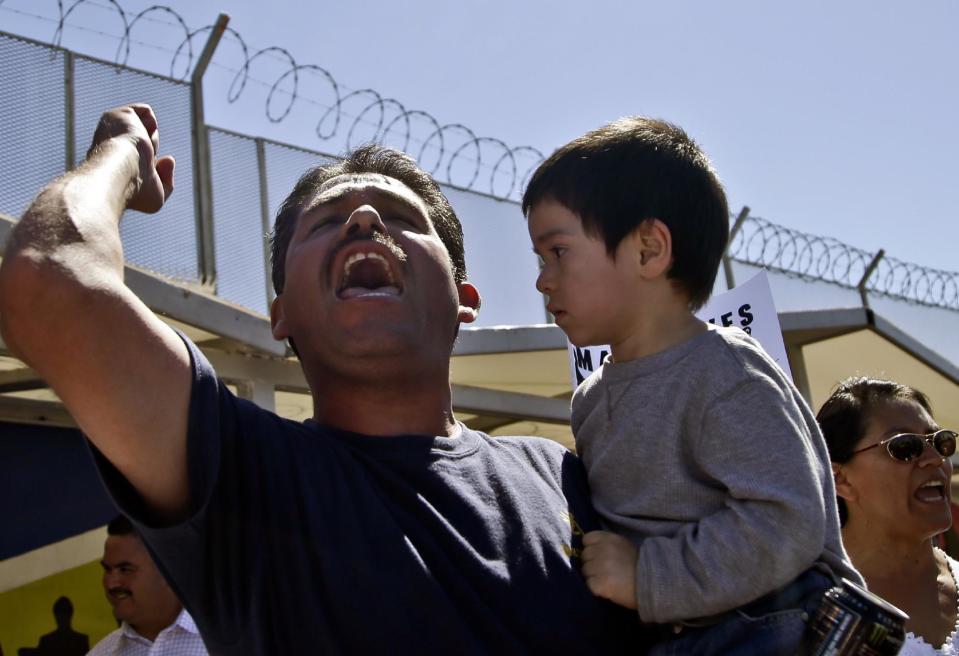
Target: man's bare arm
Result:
[[123, 374]]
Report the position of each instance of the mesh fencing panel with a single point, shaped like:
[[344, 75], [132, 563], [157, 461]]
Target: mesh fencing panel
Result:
[[237, 223], [166, 242], [284, 166], [32, 121]]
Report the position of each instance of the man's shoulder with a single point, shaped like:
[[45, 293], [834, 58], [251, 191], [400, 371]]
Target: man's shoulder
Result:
[[527, 444], [108, 645], [524, 454]]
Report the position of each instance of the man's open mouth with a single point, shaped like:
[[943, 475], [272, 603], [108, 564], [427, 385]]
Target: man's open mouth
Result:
[[367, 273]]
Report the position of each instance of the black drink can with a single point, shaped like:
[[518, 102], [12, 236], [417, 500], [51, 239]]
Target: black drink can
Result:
[[851, 621]]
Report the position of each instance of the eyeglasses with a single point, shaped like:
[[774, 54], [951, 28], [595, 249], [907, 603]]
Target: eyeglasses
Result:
[[907, 447]]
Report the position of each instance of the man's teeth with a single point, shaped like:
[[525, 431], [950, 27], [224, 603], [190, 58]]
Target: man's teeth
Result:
[[359, 257], [367, 273]]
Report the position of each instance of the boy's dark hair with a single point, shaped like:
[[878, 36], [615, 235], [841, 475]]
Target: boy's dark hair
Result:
[[634, 169], [371, 158], [844, 416]]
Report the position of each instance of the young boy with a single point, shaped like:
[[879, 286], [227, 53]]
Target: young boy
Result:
[[704, 460]]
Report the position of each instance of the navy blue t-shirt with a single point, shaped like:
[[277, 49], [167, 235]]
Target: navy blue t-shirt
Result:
[[305, 540]]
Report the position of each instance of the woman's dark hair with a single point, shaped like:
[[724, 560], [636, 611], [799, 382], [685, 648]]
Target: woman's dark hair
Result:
[[844, 415]]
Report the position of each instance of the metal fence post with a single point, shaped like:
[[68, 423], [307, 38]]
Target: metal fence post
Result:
[[264, 217], [868, 274], [202, 182], [69, 113], [727, 261]]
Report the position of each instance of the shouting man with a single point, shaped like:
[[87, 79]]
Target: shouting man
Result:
[[381, 525]]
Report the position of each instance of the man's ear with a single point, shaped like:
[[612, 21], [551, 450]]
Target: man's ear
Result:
[[654, 244], [844, 489], [470, 302], [278, 320]]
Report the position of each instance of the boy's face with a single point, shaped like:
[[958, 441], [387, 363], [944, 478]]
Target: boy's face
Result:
[[589, 292]]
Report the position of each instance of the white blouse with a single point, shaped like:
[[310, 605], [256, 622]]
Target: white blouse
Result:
[[916, 646]]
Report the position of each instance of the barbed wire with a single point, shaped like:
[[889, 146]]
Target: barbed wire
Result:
[[449, 151], [463, 156], [811, 257]]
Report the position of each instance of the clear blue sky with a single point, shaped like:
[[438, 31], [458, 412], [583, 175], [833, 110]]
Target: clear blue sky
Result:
[[836, 118]]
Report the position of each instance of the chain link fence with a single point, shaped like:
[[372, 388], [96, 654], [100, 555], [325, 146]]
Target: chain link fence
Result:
[[50, 100]]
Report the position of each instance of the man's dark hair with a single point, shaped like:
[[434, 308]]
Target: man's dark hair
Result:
[[121, 525], [634, 169], [844, 416], [371, 158]]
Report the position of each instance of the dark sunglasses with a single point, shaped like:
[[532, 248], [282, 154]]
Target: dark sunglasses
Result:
[[906, 447]]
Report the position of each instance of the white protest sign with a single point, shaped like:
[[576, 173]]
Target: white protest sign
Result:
[[748, 306]]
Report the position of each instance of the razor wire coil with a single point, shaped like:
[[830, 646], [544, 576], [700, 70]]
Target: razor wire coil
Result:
[[451, 150], [812, 257]]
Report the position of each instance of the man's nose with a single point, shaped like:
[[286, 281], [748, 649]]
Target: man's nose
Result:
[[364, 220]]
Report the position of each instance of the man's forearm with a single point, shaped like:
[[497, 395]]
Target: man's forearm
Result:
[[77, 215], [67, 240], [121, 372]]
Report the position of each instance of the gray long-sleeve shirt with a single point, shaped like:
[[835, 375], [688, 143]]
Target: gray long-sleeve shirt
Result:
[[707, 457]]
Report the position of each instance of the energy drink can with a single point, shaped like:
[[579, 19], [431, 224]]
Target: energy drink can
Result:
[[851, 621]]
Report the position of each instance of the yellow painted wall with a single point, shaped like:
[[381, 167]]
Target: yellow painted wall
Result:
[[26, 613]]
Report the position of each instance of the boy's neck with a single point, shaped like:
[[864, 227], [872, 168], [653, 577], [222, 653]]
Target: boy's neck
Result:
[[669, 324]]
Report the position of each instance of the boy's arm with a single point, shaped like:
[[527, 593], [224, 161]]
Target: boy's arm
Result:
[[757, 441], [123, 374]]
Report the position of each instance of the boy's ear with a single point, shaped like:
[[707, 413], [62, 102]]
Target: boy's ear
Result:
[[653, 242], [470, 302], [277, 319]]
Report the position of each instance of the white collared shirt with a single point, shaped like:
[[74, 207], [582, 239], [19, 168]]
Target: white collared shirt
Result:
[[179, 639]]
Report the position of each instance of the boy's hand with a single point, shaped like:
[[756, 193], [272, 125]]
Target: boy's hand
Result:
[[137, 125], [609, 565]]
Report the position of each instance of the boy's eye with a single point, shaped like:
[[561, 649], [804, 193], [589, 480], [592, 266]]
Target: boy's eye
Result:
[[558, 250]]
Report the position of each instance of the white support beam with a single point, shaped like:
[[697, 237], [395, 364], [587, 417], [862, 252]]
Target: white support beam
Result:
[[204, 311], [282, 374], [18, 380], [260, 392], [178, 301], [509, 339], [29, 411], [482, 401]]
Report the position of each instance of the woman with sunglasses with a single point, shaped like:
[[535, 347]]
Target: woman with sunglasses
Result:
[[891, 465]]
